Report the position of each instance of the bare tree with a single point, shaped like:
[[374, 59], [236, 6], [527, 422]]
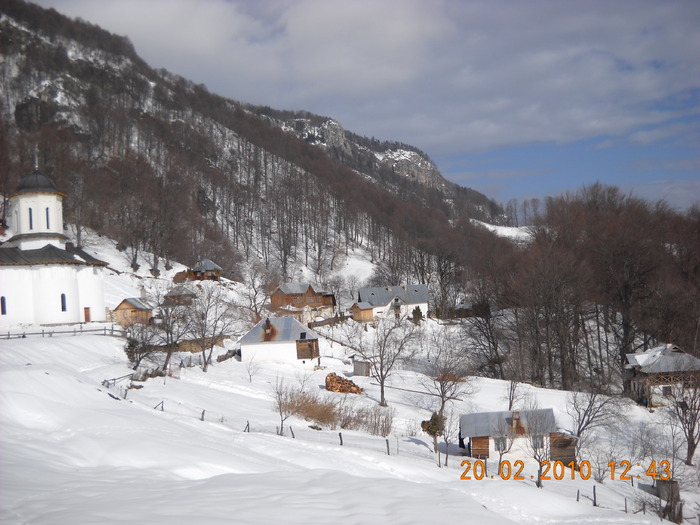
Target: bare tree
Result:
[[446, 369], [537, 436], [592, 410], [258, 289], [513, 394], [173, 322], [283, 397], [503, 437], [252, 367], [685, 410], [141, 342], [211, 318], [451, 432], [394, 342]]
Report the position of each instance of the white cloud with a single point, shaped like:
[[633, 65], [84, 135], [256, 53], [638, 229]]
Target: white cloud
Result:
[[446, 76]]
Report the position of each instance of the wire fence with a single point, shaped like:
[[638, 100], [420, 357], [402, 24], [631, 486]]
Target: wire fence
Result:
[[77, 331]]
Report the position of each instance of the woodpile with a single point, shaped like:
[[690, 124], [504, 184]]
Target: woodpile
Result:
[[335, 383]]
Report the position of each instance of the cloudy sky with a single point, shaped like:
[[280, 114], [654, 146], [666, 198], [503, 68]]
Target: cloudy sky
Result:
[[515, 99]]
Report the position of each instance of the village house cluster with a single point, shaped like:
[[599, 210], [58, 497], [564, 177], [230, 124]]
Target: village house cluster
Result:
[[46, 280]]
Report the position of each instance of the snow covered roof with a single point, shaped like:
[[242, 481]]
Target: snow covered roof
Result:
[[135, 303], [663, 359], [281, 329], [406, 293], [300, 288], [206, 265], [49, 254], [493, 423], [362, 305], [180, 290]]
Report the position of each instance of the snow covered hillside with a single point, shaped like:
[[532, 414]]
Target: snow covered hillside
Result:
[[75, 452], [77, 446]]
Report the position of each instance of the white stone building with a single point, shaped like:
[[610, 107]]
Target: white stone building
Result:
[[43, 278]]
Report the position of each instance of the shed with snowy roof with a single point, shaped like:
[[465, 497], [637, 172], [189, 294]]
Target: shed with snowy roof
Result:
[[132, 311], [207, 270], [43, 278], [653, 373], [280, 339], [513, 432]]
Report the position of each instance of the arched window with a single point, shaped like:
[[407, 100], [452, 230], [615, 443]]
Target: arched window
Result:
[[3, 306], [31, 220], [48, 223], [63, 302]]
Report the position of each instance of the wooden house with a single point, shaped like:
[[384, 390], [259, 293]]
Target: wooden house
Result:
[[280, 339], [362, 312], [650, 375], [302, 301], [132, 311], [207, 270], [400, 301], [180, 295], [489, 432]]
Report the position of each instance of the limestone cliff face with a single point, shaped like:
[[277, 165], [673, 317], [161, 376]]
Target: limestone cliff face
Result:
[[369, 156]]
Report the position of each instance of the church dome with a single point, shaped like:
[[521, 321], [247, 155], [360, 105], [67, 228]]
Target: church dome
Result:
[[36, 182]]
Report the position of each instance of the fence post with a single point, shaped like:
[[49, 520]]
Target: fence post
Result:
[[202, 418], [292, 431], [387, 447], [625, 505], [578, 494], [340, 435], [595, 499]]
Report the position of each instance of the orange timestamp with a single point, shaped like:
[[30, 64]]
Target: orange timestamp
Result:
[[557, 470]]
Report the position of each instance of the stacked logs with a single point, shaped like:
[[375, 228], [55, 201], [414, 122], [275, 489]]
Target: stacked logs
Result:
[[335, 383]]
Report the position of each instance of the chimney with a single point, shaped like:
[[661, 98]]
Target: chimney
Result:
[[142, 292], [516, 420], [268, 326]]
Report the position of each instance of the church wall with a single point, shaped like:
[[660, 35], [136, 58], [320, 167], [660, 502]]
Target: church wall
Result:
[[16, 286], [91, 292], [50, 282]]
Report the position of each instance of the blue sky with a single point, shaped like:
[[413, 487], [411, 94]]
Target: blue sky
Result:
[[514, 99]]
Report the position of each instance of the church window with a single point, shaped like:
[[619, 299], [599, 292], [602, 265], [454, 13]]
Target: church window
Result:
[[63, 302], [48, 225], [31, 220], [3, 306]]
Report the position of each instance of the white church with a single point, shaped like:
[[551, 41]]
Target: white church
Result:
[[44, 279]]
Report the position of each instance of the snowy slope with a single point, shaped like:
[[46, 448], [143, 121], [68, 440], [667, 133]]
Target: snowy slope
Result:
[[72, 453], [73, 450]]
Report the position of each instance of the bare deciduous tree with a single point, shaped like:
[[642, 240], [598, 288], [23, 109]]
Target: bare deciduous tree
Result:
[[591, 410], [394, 341], [252, 367], [685, 410], [140, 343], [283, 397], [446, 369], [211, 318]]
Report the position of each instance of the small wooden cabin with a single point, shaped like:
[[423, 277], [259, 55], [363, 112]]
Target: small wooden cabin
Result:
[[207, 270], [180, 295], [300, 295], [486, 431], [132, 311], [362, 312]]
